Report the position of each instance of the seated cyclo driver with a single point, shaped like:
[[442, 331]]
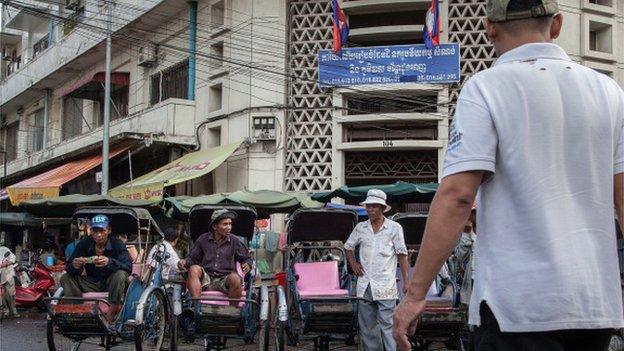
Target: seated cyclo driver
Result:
[[105, 261], [212, 262]]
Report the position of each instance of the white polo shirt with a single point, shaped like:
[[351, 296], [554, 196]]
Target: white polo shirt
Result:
[[551, 132]]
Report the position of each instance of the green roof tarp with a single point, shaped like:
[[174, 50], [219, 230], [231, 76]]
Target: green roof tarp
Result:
[[23, 219], [401, 192], [64, 206], [264, 201]]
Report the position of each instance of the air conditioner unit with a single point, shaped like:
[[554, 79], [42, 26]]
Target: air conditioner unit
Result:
[[148, 55], [74, 4], [264, 128]]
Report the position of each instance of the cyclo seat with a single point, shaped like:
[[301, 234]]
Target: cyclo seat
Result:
[[319, 279], [221, 295]]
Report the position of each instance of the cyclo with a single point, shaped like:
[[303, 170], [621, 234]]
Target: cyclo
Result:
[[211, 317], [444, 319], [73, 321], [320, 287]]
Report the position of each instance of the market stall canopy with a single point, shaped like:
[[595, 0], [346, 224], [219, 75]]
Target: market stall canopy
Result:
[[360, 210], [90, 86], [264, 201], [398, 192], [24, 219], [48, 184], [65, 206], [190, 166]]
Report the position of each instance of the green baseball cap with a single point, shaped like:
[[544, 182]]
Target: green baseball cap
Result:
[[497, 10]]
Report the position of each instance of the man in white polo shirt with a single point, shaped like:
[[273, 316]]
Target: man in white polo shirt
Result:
[[542, 139]]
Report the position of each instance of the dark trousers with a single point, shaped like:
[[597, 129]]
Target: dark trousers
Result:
[[115, 285], [488, 337]]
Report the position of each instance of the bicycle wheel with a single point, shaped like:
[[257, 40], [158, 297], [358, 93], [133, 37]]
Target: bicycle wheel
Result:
[[149, 335]]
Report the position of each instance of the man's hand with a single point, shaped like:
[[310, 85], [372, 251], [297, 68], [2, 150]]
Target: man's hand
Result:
[[181, 265], [78, 262], [405, 320], [357, 268], [246, 267], [101, 261]]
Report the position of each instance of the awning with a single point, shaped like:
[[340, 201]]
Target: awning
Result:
[[64, 206], [24, 219], [88, 87], [48, 184], [265, 202], [402, 192], [190, 166]]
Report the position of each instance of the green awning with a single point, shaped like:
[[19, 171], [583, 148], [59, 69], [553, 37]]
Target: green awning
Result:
[[401, 192], [64, 206], [24, 219], [264, 201]]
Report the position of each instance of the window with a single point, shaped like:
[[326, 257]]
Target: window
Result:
[[358, 105], [72, 118], [41, 45], [217, 14], [601, 2], [119, 105], [215, 98], [600, 37], [216, 52], [170, 83], [12, 131], [37, 130]]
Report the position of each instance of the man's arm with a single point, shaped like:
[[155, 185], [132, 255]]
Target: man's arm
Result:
[[618, 198], [449, 211], [349, 246], [242, 256], [121, 260]]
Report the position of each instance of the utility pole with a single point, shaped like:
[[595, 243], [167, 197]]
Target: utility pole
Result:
[[107, 96]]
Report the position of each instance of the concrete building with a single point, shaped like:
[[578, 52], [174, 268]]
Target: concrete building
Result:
[[383, 133], [254, 78], [167, 99]]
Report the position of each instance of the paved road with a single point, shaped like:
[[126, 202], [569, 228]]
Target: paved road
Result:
[[28, 334]]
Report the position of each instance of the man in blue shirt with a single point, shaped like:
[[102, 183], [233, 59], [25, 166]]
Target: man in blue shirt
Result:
[[106, 263]]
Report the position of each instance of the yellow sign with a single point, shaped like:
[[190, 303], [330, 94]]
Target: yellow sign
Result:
[[150, 192], [17, 195]]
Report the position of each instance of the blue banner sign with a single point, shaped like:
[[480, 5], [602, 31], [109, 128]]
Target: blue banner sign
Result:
[[389, 64]]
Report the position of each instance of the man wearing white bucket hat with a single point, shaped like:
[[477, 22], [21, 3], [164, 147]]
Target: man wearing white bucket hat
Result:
[[381, 243]]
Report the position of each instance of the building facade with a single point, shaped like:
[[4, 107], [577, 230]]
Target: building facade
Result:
[[185, 76], [245, 70]]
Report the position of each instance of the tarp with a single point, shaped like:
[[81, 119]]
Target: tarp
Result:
[[264, 201], [401, 192], [360, 210], [48, 184], [187, 167], [64, 206], [24, 219]]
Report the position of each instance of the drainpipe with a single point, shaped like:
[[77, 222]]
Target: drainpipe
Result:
[[192, 42], [46, 116]]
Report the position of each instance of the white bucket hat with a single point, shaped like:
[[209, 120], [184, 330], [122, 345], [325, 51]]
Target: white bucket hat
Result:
[[376, 196]]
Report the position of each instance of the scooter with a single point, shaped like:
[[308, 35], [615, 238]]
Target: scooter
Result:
[[34, 293]]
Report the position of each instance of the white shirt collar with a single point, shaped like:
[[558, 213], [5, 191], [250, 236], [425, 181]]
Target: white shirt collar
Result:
[[533, 51]]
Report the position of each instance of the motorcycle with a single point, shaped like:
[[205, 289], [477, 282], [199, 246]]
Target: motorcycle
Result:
[[34, 292]]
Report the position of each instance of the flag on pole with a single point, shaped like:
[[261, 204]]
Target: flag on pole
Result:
[[432, 25], [341, 29]]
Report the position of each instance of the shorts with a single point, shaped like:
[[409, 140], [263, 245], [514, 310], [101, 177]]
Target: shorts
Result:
[[488, 337], [213, 282]]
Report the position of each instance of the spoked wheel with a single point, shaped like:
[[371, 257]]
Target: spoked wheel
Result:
[[150, 335], [57, 342]]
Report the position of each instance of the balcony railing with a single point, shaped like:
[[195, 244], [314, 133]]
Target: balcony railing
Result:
[[41, 45]]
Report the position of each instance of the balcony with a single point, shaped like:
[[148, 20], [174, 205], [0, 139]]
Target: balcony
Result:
[[171, 121], [24, 19]]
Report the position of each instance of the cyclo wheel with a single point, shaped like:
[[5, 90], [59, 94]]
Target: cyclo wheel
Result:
[[151, 333], [59, 342], [173, 332]]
